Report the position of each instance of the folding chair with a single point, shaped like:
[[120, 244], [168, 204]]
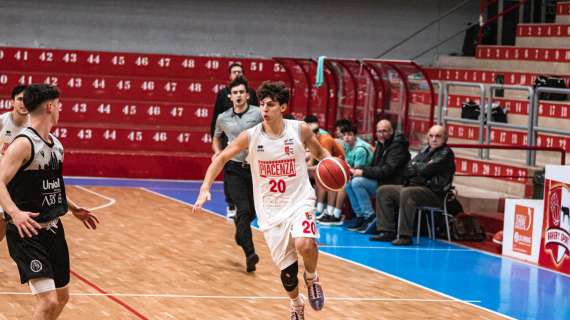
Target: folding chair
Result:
[[431, 221]]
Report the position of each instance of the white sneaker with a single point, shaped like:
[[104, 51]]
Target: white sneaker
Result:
[[230, 214], [297, 312]]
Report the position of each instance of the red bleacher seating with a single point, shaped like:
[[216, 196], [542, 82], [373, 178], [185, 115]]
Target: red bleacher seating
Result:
[[542, 30], [131, 114]]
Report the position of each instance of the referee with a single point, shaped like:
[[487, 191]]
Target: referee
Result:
[[237, 174]]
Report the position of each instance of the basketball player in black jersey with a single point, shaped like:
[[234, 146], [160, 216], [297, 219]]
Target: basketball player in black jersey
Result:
[[32, 193]]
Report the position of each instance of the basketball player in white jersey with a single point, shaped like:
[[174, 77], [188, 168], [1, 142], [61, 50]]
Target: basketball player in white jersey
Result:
[[283, 196], [11, 124]]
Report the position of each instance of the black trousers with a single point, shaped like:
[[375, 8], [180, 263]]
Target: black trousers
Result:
[[238, 185], [407, 199]]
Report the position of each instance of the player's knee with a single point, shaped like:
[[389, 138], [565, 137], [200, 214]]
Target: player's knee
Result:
[[289, 277], [306, 247]]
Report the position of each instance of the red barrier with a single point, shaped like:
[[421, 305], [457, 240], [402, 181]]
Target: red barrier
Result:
[[543, 30], [120, 88], [518, 53], [133, 64], [547, 109], [485, 76], [135, 165], [500, 136], [85, 136], [135, 112], [562, 8]]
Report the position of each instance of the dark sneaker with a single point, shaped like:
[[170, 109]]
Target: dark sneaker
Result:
[[384, 236], [369, 227], [297, 312], [403, 241], [357, 224], [330, 220], [320, 215], [251, 261], [316, 294]]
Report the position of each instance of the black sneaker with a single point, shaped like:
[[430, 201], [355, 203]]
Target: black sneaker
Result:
[[320, 215], [251, 261], [367, 224], [330, 220], [360, 221], [384, 236], [403, 241]]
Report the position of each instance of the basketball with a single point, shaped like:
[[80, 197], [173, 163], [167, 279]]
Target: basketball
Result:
[[333, 173]]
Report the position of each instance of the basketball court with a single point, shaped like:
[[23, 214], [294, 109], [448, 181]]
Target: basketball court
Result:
[[151, 258]]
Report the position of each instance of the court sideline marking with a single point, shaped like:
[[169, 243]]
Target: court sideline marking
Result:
[[353, 262], [191, 296]]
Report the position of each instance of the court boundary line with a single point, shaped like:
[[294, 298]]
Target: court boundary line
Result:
[[193, 296], [81, 278], [358, 264], [135, 179], [111, 202], [395, 248]]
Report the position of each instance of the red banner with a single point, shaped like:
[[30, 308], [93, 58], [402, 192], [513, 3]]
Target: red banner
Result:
[[543, 30], [555, 244]]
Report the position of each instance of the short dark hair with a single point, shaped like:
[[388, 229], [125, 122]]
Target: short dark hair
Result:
[[36, 94], [341, 123], [276, 90], [289, 116], [311, 118], [18, 89], [237, 82], [349, 128], [235, 64]]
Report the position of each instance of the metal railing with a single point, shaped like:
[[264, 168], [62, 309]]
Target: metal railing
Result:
[[535, 129], [490, 123], [486, 123], [481, 122]]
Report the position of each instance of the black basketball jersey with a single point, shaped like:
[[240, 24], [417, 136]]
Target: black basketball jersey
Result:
[[38, 185]]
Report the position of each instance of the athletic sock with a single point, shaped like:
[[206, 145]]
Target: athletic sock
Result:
[[320, 207], [337, 212], [297, 302], [330, 210], [310, 276]]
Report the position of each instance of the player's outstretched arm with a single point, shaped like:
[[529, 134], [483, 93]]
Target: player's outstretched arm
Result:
[[89, 220], [214, 169], [16, 155], [311, 142]]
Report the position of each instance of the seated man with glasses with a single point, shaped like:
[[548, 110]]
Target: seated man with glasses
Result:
[[388, 163], [427, 177]]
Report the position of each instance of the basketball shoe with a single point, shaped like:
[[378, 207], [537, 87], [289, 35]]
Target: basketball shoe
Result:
[[316, 294], [297, 312]]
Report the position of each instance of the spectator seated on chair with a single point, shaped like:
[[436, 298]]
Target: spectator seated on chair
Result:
[[388, 163], [358, 155], [427, 178]]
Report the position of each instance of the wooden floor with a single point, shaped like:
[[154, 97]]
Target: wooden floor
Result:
[[152, 259]]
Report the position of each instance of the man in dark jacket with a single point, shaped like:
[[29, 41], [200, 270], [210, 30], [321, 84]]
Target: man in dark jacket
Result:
[[388, 163], [427, 177]]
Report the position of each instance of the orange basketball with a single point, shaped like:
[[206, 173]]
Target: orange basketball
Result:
[[333, 173]]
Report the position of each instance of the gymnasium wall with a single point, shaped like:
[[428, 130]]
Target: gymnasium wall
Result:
[[351, 29]]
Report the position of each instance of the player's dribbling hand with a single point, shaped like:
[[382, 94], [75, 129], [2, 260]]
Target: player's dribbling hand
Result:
[[89, 220], [27, 227], [202, 198]]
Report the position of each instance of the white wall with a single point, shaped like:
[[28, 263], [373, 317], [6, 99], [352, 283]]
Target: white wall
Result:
[[308, 28]]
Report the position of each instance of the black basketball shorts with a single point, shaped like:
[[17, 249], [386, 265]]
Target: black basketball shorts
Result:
[[42, 256]]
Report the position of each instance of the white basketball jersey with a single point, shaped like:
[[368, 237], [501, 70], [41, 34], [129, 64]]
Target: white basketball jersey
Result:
[[9, 130], [281, 183]]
